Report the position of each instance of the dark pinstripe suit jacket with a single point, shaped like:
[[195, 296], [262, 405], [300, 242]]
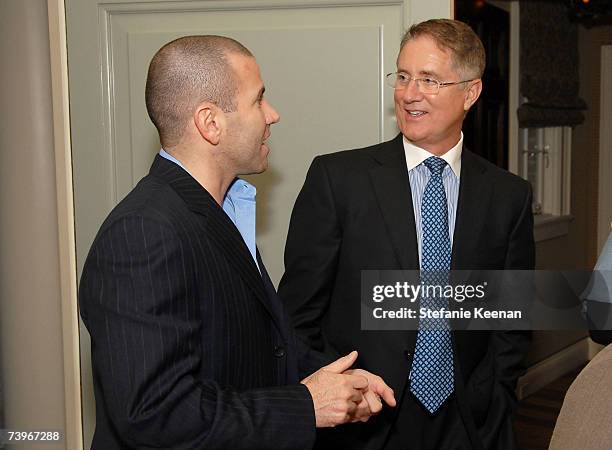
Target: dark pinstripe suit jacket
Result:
[[190, 345]]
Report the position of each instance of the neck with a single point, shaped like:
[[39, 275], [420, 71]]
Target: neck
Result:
[[436, 151], [206, 171], [441, 148]]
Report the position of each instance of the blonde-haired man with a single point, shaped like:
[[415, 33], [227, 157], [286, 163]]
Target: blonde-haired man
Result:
[[419, 201]]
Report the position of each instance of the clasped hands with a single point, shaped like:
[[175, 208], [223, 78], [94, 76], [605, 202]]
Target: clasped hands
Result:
[[342, 395]]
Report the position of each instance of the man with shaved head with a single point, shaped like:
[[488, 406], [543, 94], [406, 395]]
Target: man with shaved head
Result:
[[191, 347]]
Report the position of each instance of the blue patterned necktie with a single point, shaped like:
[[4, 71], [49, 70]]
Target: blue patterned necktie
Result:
[[431, 379]]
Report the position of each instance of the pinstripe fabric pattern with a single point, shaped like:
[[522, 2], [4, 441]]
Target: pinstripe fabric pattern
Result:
[[185, 338]]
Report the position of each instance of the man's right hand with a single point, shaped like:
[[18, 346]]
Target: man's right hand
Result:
[[335, 396]]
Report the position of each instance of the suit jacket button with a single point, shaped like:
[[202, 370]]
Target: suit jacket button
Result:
[[279, 351], [407, 354]]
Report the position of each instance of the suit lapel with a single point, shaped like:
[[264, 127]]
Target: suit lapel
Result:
[[274, 300], [392, 189], [474, 197], [224, 234]]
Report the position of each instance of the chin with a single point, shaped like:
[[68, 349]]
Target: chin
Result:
[[261, 168], [413, 137], [264, 167], [264, 164]]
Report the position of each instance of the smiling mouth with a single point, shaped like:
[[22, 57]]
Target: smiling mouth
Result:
[[416, 113]]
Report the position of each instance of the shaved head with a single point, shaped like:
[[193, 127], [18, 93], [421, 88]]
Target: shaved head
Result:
[[185, 73]]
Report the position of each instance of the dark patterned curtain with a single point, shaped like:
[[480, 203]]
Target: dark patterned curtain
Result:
[[549, 66]]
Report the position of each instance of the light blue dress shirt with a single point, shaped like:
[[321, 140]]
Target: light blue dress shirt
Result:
[[239, 205], [419, 175]]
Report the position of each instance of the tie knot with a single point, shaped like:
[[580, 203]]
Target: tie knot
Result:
[[435, 165]]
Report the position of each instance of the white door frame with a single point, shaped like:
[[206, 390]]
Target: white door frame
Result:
[[73, 436]]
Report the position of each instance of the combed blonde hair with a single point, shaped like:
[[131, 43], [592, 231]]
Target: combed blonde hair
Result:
[[465, 47]]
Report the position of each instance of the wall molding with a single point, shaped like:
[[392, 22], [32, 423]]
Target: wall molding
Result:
[[108, 17], [201, 5], [548, 226], [553, 367]]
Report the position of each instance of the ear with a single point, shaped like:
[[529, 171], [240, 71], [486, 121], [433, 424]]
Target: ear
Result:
[[209, 120], [472, 93]]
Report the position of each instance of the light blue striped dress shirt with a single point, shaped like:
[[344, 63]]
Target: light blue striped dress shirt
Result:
[[419, 175], [239, 204]]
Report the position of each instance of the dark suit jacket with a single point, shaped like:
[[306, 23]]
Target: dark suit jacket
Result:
[[355, 213], [191, 348]]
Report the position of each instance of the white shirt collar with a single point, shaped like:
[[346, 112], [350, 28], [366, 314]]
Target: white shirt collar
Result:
[[416, 155]]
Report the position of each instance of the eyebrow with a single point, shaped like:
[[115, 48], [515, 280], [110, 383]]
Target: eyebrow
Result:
[[426, 73]]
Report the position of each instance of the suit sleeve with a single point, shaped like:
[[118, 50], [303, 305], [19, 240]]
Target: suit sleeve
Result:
[[509, 348], [146, 331], [311, 259]]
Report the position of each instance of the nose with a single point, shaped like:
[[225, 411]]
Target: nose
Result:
[[271, 115], [410, 93]]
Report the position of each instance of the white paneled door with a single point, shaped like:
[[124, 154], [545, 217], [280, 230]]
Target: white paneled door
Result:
[[323, 62]]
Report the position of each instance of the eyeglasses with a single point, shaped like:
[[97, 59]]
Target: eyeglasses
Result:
[[400, 80]]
